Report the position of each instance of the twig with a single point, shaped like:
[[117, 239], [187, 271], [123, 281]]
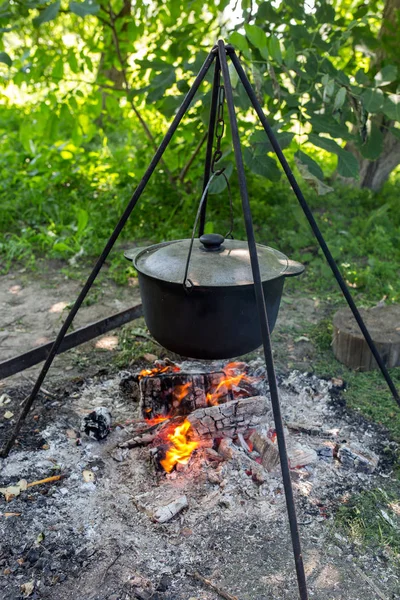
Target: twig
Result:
[[189, 163], [212, 585], [42, 389], [47, 480], [111, 565]]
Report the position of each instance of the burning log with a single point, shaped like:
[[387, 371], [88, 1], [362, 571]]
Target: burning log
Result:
[[229, 419], [176, 392]]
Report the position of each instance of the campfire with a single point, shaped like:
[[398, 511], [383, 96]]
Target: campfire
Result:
[[184, 410]]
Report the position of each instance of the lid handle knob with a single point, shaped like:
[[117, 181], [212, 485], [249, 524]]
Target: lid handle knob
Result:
[[212, 242]]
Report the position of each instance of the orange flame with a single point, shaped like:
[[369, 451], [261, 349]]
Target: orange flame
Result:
[[181, 449], [181, 391], [158, 371], [232, 379]]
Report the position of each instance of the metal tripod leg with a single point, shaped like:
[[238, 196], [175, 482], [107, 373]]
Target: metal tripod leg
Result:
[[107, 249], [210, 139], [312, 222], [262, 315]]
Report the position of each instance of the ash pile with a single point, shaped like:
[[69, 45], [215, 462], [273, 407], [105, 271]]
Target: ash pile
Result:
[[165, 484]]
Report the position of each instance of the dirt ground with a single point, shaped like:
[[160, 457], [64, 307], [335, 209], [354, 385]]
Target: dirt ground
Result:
[[249, 555]]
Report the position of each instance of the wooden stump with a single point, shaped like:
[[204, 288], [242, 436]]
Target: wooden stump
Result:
[[349, 346]]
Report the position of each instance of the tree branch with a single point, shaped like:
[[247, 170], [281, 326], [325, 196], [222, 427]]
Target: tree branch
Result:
[[127, 88], [189, 163]]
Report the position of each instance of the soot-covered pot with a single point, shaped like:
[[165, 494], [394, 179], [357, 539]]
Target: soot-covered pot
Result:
[[199, 301]]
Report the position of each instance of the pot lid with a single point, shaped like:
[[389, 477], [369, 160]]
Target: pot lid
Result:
[[213, 262]]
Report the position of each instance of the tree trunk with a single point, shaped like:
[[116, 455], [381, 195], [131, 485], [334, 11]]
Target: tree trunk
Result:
[[374, 173], [112, 73]]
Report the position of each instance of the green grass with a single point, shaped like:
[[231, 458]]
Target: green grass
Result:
[[372, 519]]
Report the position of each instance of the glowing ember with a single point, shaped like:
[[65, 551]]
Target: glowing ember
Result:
[[181, 449], [156, 420]]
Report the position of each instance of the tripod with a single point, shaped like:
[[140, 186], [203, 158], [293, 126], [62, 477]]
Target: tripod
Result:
[[220, 54]]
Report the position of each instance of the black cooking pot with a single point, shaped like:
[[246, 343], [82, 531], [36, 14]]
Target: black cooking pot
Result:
[[198, 298]]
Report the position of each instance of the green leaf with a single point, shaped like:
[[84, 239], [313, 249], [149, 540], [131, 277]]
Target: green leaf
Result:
[[170, 105], [339, 99], [219, 184], [261, 144], [239, 41], [324, 143], [256, 35], [48, 14], [386, 75], [348, 165], [311, 165], [372, 100], [373, 147], [274, 47], [361, 11], [391, 107], [58, 70], [326, 124], [311, 65], [82, 9], [83, 219], [160, 83], [362, 78], [266, 12], [290, 56], [5, 58], [73, 63], [325, 13], [262, 165], [233, 74]]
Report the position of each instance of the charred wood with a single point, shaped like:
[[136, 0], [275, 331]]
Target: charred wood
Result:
[[229, 419]]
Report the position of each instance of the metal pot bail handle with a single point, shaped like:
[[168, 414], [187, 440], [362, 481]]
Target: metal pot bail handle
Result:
[[188, 285], [229, 234]]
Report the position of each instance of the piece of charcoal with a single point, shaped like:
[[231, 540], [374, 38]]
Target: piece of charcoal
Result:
[[97, 424]]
